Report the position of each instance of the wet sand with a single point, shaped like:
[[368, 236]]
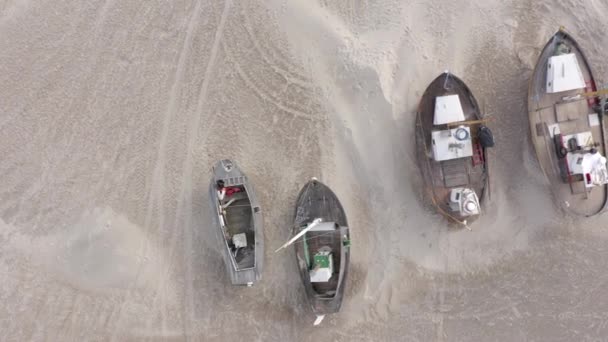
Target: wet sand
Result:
[[112, 114]]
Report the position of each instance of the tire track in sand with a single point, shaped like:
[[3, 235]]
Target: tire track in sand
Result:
[[288, 71], [103, 14], [184, 203], [155, 196], [256, 89]]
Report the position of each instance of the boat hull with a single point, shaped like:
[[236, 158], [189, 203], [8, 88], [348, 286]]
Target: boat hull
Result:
[[543, 109], [316, 200], [235, 177], [442, 176]]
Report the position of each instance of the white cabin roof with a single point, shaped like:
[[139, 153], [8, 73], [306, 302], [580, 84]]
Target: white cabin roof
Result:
[[447, 110], [447, 144], [564, 73]]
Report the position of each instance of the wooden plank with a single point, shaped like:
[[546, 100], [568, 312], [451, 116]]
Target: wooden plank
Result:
[[455, 173], [567, 111]]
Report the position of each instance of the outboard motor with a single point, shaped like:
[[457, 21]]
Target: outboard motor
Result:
[[464, 201]]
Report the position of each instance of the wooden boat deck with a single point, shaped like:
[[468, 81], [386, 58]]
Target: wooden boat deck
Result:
[[573, 117], [441, 177]]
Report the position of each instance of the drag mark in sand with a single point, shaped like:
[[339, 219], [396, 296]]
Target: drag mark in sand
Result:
[[185, 195], [158, 182], [186, 189], [157, 186]]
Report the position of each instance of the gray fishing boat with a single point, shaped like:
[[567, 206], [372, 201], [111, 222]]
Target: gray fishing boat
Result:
[[451, 141], [568, 127], [239, 226], [322, 244]]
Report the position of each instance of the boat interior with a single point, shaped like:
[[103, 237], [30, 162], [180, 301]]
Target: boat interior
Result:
[[323, 256], [564, 125], [468, 171], [238, 228], [325, 240]]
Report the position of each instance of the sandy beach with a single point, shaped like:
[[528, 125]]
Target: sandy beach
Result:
[[113, 112]]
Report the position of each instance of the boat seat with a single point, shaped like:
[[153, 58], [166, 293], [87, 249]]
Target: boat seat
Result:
[[454, 173], [569, 111], [324, 227]]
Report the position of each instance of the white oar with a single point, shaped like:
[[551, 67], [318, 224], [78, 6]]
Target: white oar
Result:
[[302, 232]]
